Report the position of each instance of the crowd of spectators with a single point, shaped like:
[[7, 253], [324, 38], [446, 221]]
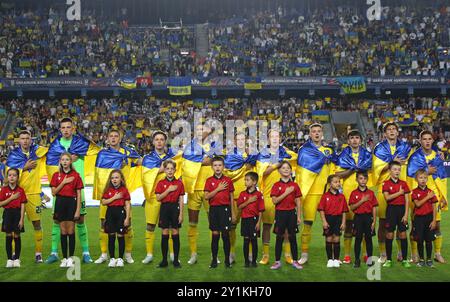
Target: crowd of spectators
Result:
[[330, 41], [44, 44]]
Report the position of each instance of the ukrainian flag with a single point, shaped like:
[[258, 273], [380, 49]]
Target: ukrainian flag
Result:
[[110, 159], [382, 156], [310, 162], [252, 83], [179, 86], [438, 181], [151, 164], [321, 115], [30, 180], [345, 161], [80, 146], [235, 168], [266, 158], [193, 156]]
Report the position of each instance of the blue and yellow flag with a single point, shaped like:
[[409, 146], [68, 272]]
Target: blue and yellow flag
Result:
[[352, 85], [236, 166], [382, 156], [265, 159], [193, 156], [109, 159], [151, 164], [438, 181], [80, 146], [253, 83], [346, 161], [179, 86], [310, 162], [321, 115], [30, 180]]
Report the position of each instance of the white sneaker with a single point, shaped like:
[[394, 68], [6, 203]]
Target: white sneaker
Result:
[[119, 262], [70, 262], [10, 263], [148, 259], [336, 263], [382, 259], [193, 259], [232, 258], [330, 263], [303, 259], [128, 258], [101, 259], [63, 262], [250, 257], [112, 262], [16, 263], [172, 257]]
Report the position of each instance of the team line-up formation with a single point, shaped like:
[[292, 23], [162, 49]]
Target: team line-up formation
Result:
[[275, 191]]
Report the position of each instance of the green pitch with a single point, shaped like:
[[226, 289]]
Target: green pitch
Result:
[[314, 271]]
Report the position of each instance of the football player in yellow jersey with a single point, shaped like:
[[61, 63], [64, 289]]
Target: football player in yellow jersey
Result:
[[389, 150], [115, 156], [28, 158], [152, 173], [196, 168], [352, 159], [238, 162], [429, 160], [314, 165], [268, 161]]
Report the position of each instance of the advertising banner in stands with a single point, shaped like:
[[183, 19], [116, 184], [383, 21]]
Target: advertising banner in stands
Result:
[[406, 80], [133, 82]]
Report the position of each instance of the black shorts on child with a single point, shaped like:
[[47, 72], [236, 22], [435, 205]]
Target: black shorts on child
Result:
[[334, 222], [362, 225], [168, 215], [394, 215], [421, 228], [11, 219], [115, 219], [219, 218], [65, 208], [285, 220], [248, 227]]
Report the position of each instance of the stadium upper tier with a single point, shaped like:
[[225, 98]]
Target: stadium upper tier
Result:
[[332, 42]]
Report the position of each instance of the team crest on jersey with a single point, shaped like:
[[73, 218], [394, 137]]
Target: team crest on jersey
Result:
[[327, 152]]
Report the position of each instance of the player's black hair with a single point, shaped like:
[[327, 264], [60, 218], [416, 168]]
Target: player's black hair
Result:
[[354, 132], [363, 173], [252, 175], [66, 120], [422, 133], [159, 132], [217, 158], [394, 163]]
